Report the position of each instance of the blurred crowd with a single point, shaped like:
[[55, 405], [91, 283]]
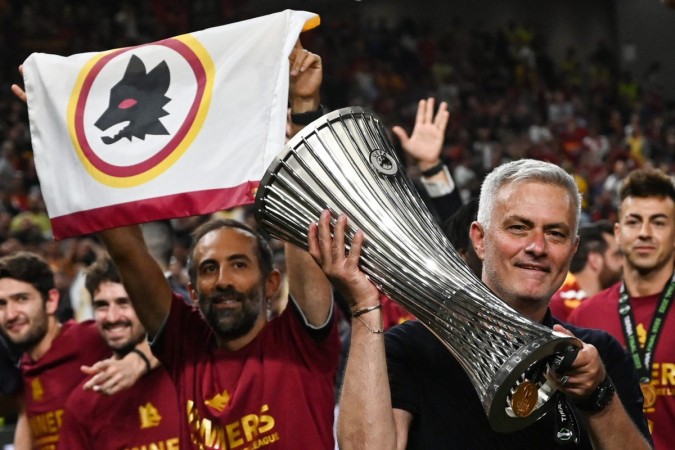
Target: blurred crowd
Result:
[[508, 99]]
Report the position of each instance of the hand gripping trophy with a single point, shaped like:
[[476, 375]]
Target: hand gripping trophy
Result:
[[345, 163]]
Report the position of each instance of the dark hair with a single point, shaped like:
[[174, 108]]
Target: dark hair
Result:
[[29, 268], [456, 227], [591, 240], [102, 270], [647, 183], [263, 250]]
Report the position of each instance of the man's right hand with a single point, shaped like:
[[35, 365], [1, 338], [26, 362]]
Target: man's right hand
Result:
[[426, 141], [18, 91], [340, 268]]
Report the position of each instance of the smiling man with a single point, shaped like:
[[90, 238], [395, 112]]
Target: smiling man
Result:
[[143, 416], [637, 310], [54, 352], [404, 390]]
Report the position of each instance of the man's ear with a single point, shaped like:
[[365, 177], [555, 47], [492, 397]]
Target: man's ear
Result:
[[194, 296], [52, 302], [477, 234], [272, 283], [595, 261]]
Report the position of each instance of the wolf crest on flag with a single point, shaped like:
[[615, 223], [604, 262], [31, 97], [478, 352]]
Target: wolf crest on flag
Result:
[[173, 128]]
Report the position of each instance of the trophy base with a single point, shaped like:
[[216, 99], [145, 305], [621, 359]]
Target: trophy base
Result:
[[514, 401]]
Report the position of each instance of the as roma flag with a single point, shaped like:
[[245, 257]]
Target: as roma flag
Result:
[[174, 128]]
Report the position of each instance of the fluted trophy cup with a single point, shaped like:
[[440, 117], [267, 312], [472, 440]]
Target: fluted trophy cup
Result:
[[344, 162]]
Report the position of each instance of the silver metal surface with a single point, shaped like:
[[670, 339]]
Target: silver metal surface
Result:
[[345, 163]]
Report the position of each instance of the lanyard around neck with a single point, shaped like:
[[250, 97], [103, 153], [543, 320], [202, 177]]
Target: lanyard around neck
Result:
[[642, 358]]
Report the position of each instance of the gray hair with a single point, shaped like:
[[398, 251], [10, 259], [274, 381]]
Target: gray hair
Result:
[[521, 171]]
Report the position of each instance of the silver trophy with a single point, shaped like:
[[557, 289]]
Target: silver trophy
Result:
[[345, 163]]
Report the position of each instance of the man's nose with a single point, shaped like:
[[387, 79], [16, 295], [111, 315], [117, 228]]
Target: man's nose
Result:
[[537, 244], [113, 314], [224, 278], [12, 310], [645, 229]]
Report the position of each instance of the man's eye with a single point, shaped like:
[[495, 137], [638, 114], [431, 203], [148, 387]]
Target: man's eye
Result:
[[209, 269]]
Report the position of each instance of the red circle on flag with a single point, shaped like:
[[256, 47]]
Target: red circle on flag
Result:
[[139, 168]]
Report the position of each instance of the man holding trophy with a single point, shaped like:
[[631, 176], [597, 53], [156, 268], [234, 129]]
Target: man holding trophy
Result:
[[403, 390]]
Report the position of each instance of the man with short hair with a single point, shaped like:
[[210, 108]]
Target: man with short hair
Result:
[[53, 352], [636, 310], [595, 266], [403, 390], [241, 380], [143, 416]]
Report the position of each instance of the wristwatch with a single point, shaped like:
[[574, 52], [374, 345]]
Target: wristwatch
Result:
[[305, 118], [600, 398]]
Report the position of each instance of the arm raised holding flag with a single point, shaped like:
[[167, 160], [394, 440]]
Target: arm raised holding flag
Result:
[[227, 361]]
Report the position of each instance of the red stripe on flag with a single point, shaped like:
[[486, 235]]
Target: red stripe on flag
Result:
[[149, 210]]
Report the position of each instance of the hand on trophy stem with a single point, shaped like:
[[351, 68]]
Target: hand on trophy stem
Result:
[[584, 375], [342, 269], [426, 141]]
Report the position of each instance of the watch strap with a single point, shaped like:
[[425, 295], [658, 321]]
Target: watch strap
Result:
[[305, 118], [600, 398]]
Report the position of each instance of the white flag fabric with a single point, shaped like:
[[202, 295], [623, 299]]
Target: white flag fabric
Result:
[[174, 128]]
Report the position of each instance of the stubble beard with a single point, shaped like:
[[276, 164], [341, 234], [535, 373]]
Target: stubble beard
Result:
[[229, 324], [32, 337]]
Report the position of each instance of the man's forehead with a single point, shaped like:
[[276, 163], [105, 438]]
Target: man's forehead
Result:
[[9, 286], [647, 206], [224, 242], [525, 199], [110, 289], [520, 192]]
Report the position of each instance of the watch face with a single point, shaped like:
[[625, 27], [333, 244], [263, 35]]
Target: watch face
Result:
[[605, 393], [600, 398]]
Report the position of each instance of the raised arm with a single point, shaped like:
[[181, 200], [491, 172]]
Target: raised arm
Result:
[[306, 282], [425, 145], [306, 75], [366, 419], [308, 285], [142, 277], [426, 141]]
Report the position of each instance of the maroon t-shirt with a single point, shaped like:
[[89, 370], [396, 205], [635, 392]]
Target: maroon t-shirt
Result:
[[275, 393], [48, 382], [143, 416], [602, 311]]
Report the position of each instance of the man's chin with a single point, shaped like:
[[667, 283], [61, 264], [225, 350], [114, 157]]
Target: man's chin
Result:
[[230, 329], [121, 347]]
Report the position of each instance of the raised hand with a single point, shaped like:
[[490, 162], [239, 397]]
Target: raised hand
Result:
[[426, 141], [306, 74], [17, 90], [341, 269]]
